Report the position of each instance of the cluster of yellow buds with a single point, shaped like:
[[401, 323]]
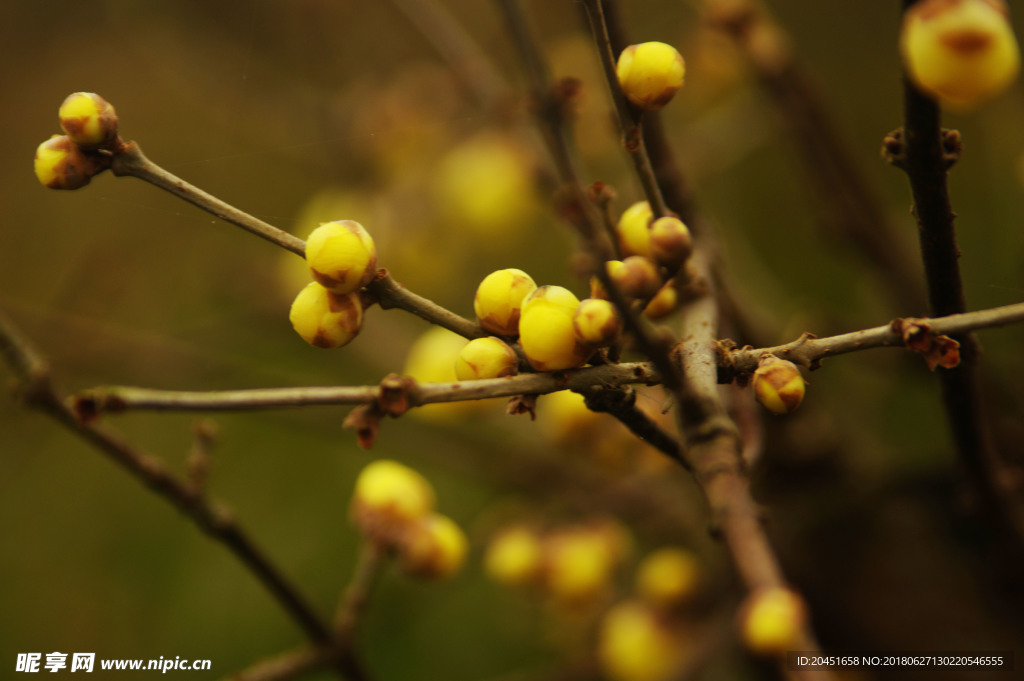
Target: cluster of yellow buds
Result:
[[342, 258], [393, 505], [644, 638], [653, 250], [961, 52], [71, 160], [572, 566], [554, 329]]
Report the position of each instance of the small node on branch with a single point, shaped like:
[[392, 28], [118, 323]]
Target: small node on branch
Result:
[[894, 150], [393, 395], [952, 147], [365, 420], [938, 350]]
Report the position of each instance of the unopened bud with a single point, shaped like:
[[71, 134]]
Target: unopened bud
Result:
[[650, 74], [60, 164], [771, 620], [597, 323], [486, 358], [959, 51], [325, 319], [88, 119], [636, 276], [341, 256], [778, 385], [499, 299], [671, 243], [432, 548]]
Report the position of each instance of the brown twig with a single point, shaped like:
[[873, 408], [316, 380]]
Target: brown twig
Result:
[[925, 159], [848, 205], [390, 294], [630, 119], [211, 517], [806, 351], [129, 160]]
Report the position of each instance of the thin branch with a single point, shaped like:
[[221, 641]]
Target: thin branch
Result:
[[390, 294], [925, 159], [129, 160], [629, 118], [208, 515], [806, 351], [357, 595], [458, 49], [285, 666]]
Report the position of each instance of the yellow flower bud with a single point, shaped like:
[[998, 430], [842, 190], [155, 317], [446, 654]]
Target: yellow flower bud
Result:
[[546, 331], [389, 497], [633, 229], [341, 256], [60, 164], [771, 620], [663, 303], [959, 51], [88, 119], [432, 548], [638, 277], [650, 74], [635, 645], [671, 242], [597, 323], [431, 359], [514, 556], [499, 299], [580, 562], [325, 319], [668, 578], [486, 358], [778, 385]]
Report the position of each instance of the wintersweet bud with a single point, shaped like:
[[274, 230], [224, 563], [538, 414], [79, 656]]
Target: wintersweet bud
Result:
[[325, 319], [635, 644], [341, 256], [580, 562], [650, 74], [546, 331], [60, 164], [962, 52], [778, 385], [434, 547], [636, 276], [486, 358], [668, 578], [633, 229], [597, 323], [514, 556], [663, 303], [389, 498], [771, 620], [499, 299], [88, 119], [671, 242]]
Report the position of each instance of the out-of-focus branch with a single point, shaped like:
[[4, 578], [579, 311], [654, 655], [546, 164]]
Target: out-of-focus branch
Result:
[[848, 204], [37, 391]]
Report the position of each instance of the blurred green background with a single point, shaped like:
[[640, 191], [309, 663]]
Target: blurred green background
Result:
[[306, 110]]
